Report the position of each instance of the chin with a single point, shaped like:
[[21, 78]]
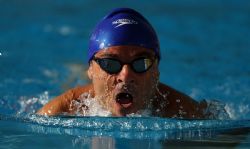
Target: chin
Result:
[[122, 110]]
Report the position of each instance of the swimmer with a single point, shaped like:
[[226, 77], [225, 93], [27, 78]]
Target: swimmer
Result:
[[123, 57]]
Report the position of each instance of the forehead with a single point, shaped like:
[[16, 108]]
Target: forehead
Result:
[[126, 51]]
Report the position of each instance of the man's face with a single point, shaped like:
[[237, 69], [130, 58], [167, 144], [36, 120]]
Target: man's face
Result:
[[126, 91]]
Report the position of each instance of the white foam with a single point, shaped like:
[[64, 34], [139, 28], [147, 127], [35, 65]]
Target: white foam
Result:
[[141, 113], [216, 110], [231, 111], [237, 111], [94, 108], [244, 108], [30, 105]]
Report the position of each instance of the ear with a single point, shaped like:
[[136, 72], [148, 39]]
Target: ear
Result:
[[90, 72]]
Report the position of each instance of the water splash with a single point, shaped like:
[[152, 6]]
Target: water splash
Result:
[[26, 105], [238, 111], [86, 105], [31, 105], [216, 110], [141, 113]]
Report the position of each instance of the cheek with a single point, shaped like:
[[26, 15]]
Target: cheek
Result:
[[148, 83], [103, 83], [99, 80], [104, 87]]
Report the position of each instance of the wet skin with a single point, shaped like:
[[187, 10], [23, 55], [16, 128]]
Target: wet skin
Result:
[[143, 89], [141, 86]]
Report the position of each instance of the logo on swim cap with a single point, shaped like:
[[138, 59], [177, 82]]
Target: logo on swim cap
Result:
[[121, 22]]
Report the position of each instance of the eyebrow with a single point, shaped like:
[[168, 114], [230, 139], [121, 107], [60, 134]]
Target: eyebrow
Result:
[[147, 54], [108, 55]]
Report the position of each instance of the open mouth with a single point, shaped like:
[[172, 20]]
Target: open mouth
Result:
[[124, 99]]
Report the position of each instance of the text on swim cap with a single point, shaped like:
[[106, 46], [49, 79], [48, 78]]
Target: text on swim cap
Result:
[[121, 22]]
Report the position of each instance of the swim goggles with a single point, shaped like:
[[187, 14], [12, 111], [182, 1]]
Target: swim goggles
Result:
[[114, 66]]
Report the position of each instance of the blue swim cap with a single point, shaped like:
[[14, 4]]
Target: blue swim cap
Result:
[[123, 26]]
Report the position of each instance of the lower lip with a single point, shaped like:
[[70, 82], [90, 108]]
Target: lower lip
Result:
[[125, 105]]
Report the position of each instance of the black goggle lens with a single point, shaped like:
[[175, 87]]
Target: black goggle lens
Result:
[[113, 66], [141, 65], [109, 65]]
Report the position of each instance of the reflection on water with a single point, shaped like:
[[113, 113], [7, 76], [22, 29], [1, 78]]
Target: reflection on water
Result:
[[111, 143], [93, 132], [103, 142], [125, 127]]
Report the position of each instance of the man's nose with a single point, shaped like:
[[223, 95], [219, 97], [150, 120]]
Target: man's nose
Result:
[[126, 75]]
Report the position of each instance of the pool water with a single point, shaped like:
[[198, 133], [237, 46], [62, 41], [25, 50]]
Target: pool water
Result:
[[205, 52]]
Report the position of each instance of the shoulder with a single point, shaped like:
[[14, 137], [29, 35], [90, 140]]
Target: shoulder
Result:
[[173, 103], [77, 91], [174, 95], [62, 102]]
